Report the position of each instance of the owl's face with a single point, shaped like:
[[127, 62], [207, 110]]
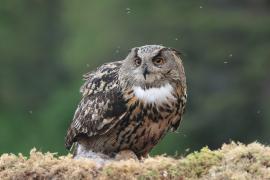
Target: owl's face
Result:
[[152, 66]]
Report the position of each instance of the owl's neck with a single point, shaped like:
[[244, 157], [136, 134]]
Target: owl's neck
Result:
[[154, 94]]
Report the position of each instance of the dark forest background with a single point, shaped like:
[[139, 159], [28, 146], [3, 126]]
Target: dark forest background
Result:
[[46, 45]]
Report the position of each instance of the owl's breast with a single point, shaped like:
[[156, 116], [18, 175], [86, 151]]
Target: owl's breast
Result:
[[151, 113], [154, 104]]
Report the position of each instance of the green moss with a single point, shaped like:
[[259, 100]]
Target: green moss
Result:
[[232, 161], [108, 171], [152, 173], [198, 163]]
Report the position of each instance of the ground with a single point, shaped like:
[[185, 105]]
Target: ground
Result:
[[231, 161]]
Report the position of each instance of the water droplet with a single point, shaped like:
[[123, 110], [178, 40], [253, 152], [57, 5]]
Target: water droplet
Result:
[[176, 39], [225, 62], [117, 50], [230, 55], [128, 10], [87, 65], [258, 111], [201, 7], [30, 112]]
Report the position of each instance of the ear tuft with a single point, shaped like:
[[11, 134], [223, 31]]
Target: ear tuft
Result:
[[177, 52]]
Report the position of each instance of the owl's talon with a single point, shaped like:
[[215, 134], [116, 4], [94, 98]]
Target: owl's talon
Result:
[[125, 155], [145, 156]]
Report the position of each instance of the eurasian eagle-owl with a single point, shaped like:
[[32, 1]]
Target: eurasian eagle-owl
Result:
[[130, 104]]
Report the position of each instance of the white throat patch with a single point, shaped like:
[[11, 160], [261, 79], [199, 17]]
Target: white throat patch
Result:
[[151, 95]]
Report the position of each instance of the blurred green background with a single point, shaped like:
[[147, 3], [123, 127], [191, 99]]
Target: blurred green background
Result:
[[46, 45]]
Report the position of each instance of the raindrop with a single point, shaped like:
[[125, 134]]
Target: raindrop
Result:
[[176, 39], [225, 62], [258, 111], [30, 112], [128, 10], [201, 7], [230, 55], [117, 50]]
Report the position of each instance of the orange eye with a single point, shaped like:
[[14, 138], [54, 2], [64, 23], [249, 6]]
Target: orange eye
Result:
[[138, 61], [158, 61]]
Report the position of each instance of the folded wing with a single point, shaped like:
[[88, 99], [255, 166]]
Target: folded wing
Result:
[[102, 104]]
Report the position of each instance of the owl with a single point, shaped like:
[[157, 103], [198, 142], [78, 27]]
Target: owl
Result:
[[130, 104]]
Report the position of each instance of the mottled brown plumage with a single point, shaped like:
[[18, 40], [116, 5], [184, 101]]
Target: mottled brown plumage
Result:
[[130, 104]]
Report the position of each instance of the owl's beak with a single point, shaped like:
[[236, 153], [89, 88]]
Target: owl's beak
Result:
[[145, 72]]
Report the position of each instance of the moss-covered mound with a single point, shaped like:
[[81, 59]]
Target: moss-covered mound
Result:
[[232, 161]]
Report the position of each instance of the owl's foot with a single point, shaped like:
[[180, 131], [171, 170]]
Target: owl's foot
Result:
[[145, 156], [125, 155]]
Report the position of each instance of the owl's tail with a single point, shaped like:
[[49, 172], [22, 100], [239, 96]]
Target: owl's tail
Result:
[[74, 149], [69, 140]]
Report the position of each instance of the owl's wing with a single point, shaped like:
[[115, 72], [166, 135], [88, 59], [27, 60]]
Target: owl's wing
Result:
[[102, 105]]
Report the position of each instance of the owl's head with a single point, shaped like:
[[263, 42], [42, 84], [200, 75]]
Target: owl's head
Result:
[[152, 66]]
